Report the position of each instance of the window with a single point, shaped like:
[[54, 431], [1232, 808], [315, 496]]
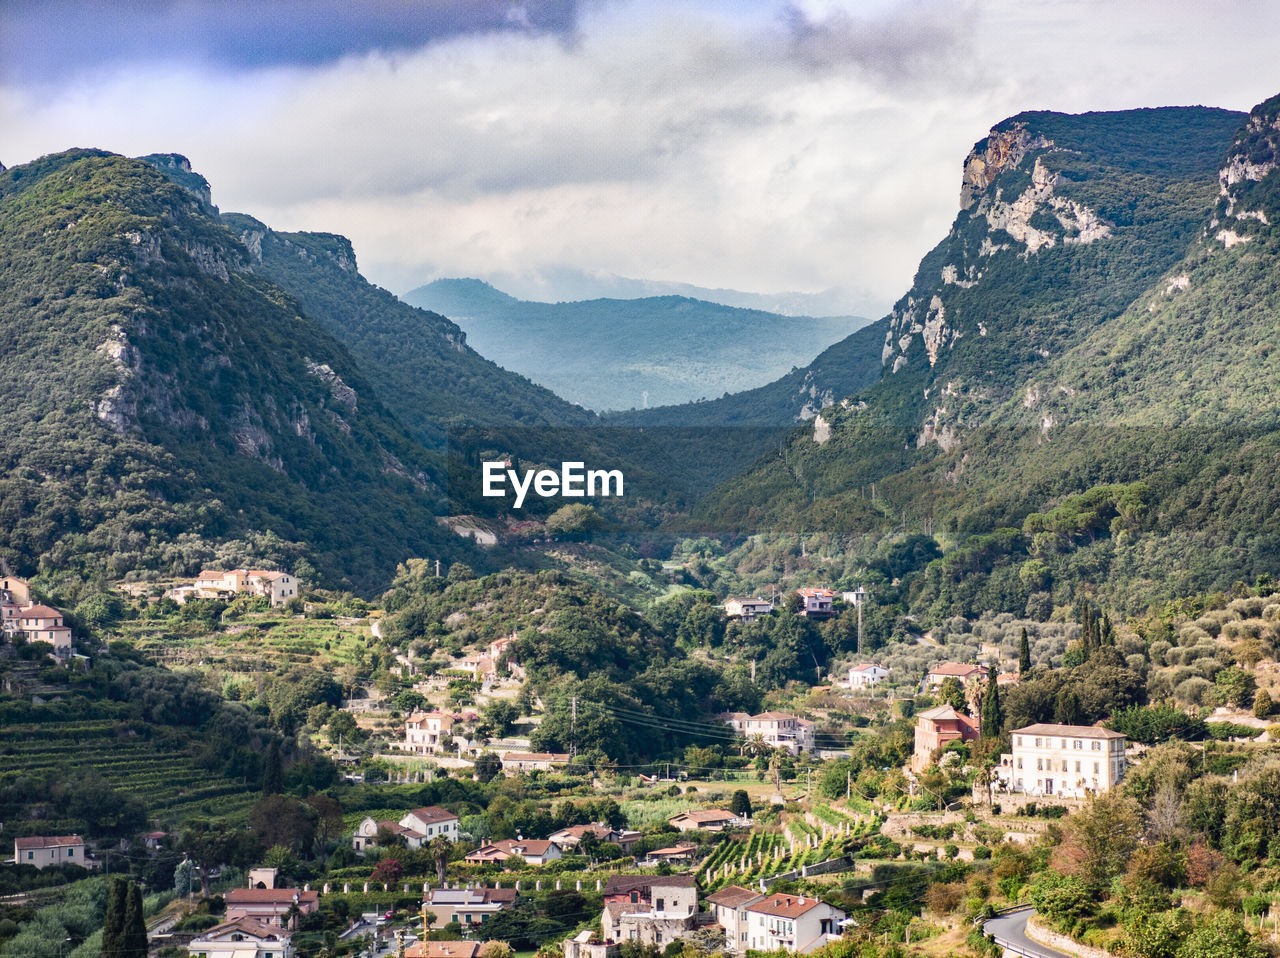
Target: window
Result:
[[1037, 743], [1019, 761], [1077, 744], [1097, 746], [1019, 740], [30, 855], [1095, 768], [1077, 765], [1039, 765], [71, 853], [661, 905]]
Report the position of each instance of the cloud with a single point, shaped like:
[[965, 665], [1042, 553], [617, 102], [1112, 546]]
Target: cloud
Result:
[[756, 146], [43, 40]]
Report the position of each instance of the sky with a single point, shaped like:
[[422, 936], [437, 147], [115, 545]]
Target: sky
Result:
[[809, 145]]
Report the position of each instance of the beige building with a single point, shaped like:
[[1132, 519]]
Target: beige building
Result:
[[706, 819], [45, 850], [781, 730], [416, 828], [534, 851], [514, 763], [966, 675], [792, 923], [242, 938], [1067, 761], [817, 602], [469, 907], [729, 906], [270, 906], [278, 587], [424, 731], [41, 623], [650, 909]]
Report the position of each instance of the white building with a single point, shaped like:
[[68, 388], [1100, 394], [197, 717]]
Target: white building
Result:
[[747, 608], [781, 730], [817, 602], [863, 676], [729, 906], [242, 938], [417, 828], [1068, 761], [792, 923], [424, 732], [45, 850]]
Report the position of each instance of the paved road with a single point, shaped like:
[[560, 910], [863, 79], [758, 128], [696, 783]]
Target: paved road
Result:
[[1011, 931]]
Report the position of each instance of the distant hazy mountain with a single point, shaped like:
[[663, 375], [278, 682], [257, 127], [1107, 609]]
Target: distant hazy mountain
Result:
[[563, 284], [629, 353]]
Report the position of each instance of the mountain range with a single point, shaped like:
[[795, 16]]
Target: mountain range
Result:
[[632, 353], [1077, 392]]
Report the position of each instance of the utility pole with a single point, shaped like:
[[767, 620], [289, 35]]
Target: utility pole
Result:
[[848, 785], [573, 726]]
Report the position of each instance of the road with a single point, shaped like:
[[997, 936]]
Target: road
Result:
[[1011, 931]]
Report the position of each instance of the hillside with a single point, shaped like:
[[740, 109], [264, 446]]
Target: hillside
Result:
[[629, 353], [167, 407], [1077, 389]]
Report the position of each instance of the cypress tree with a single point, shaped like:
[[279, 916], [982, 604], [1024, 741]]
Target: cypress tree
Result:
[[272, 771], [992, 712], [1024, 653], [113, 924], [134, 940]]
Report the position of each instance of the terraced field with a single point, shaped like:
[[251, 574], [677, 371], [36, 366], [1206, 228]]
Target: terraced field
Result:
[[170, 783], [252, 644]]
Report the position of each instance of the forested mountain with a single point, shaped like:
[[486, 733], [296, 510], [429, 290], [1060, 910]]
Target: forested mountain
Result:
[[1079, 389], [166, 406], [626, 353]]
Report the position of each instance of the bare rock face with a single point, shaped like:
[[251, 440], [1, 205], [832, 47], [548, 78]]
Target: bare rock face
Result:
[[1001, 150], [342, 394]]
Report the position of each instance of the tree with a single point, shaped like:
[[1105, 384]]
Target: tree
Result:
[[952, 692], [133, 941], [272, 770], [740, 804], [1099, 839], [1024, 653], [283, 820], [1067, 709], [992, 714], [1222, 935], [184, 878], [1262, 704], [387, 870], [439, 851], [113, 924], [488, 766]]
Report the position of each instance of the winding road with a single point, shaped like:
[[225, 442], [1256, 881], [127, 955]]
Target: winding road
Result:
[[1010, 932]]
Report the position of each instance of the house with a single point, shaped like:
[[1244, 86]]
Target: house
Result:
[[817, 603], [568, 838], [469, 907], [650, 909], [513, 763], [44, 624], [1066, 761], [270, 906], [417, 828], [792, 923], [587, 944], [534, 851], [681, 853], [967, 675], [863, 676], [706, 819], [855, 597], [747, 608], [278, 587], [735, 720], [431, 822], [444, 949], [15, 591], [154, 839], [424, 732], [241, 938], [729, 906], [263, 877], [937, 728], [780, 730], [45, 850]]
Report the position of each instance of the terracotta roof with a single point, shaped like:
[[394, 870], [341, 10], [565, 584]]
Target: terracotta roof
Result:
[[734, 896], [528, 846], [443, 949], [431, 814], [40, 612], [622, 884], [270, 896], [47, 841], [675, 851], [771, 716], [705, 815], [941, 712], [562, 757], [580, 831], [863, 668], [785, 906], [245, 926], [1069, 731], [957, 669]]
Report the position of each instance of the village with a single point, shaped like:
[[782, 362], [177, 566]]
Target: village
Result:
[[741, 865]]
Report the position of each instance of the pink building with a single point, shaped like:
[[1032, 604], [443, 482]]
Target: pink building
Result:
[[937, 728]]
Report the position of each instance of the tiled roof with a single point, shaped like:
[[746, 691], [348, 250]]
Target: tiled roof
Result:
[[706, 815], [270, 896], [734, 896], [785, 906], [958, 669], [47, 841], [431, 814], [1069, 731], [622, 884]]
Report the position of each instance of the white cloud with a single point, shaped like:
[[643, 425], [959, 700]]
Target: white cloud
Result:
[[762, 148]]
